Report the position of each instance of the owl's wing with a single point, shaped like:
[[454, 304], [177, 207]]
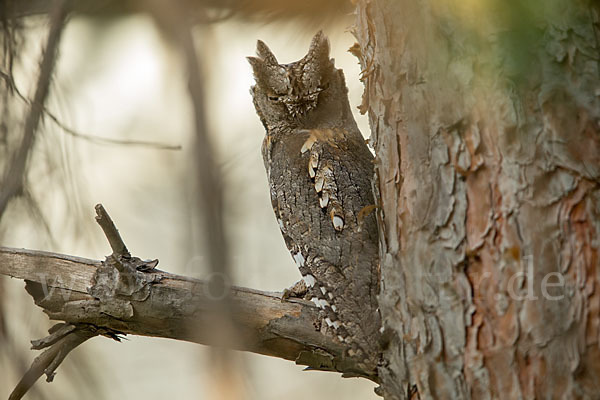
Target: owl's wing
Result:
[[322, 169], [320, 184]]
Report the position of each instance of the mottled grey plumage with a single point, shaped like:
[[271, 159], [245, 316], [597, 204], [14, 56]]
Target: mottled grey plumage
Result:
[[320, 170]]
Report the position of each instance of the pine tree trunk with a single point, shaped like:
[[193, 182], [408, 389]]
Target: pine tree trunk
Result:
[[485, 118]]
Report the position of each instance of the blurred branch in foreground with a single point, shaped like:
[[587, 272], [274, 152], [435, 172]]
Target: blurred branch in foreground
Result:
[[175, 22], [246, 9], [14, 174]]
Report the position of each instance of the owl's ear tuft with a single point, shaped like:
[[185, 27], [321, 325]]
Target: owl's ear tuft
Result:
[[263, 51], [258, 66], [318, 52], [317, 65], [268, 75]]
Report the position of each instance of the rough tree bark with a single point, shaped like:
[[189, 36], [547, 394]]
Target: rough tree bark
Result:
[[485, 119]]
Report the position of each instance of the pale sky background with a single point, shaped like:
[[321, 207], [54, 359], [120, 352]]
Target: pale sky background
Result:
[[121, 80]]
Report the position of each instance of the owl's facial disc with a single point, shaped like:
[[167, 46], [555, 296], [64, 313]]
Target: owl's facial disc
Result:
[[290, 91], [297, 98]]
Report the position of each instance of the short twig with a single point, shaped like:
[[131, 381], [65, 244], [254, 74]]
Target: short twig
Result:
[[57, 332], [112, 234]]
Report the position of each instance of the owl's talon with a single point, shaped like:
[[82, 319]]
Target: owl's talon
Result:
[[298, 290], [286, 294]]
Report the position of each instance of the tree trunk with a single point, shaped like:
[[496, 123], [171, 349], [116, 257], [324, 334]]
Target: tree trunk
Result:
[[485, 118]]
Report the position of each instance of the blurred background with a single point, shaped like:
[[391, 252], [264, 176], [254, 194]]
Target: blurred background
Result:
[[120, 78]]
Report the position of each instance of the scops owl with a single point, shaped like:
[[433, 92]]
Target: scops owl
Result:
[[319, 170]]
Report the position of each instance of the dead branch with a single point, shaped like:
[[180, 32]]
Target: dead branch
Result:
[[172, 306], [126, 295]]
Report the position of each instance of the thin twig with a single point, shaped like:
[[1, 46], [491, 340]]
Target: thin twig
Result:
[[104, 140], [85, 136]]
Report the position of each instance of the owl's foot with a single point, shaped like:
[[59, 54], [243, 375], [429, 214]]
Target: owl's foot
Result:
[[298, 290]]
